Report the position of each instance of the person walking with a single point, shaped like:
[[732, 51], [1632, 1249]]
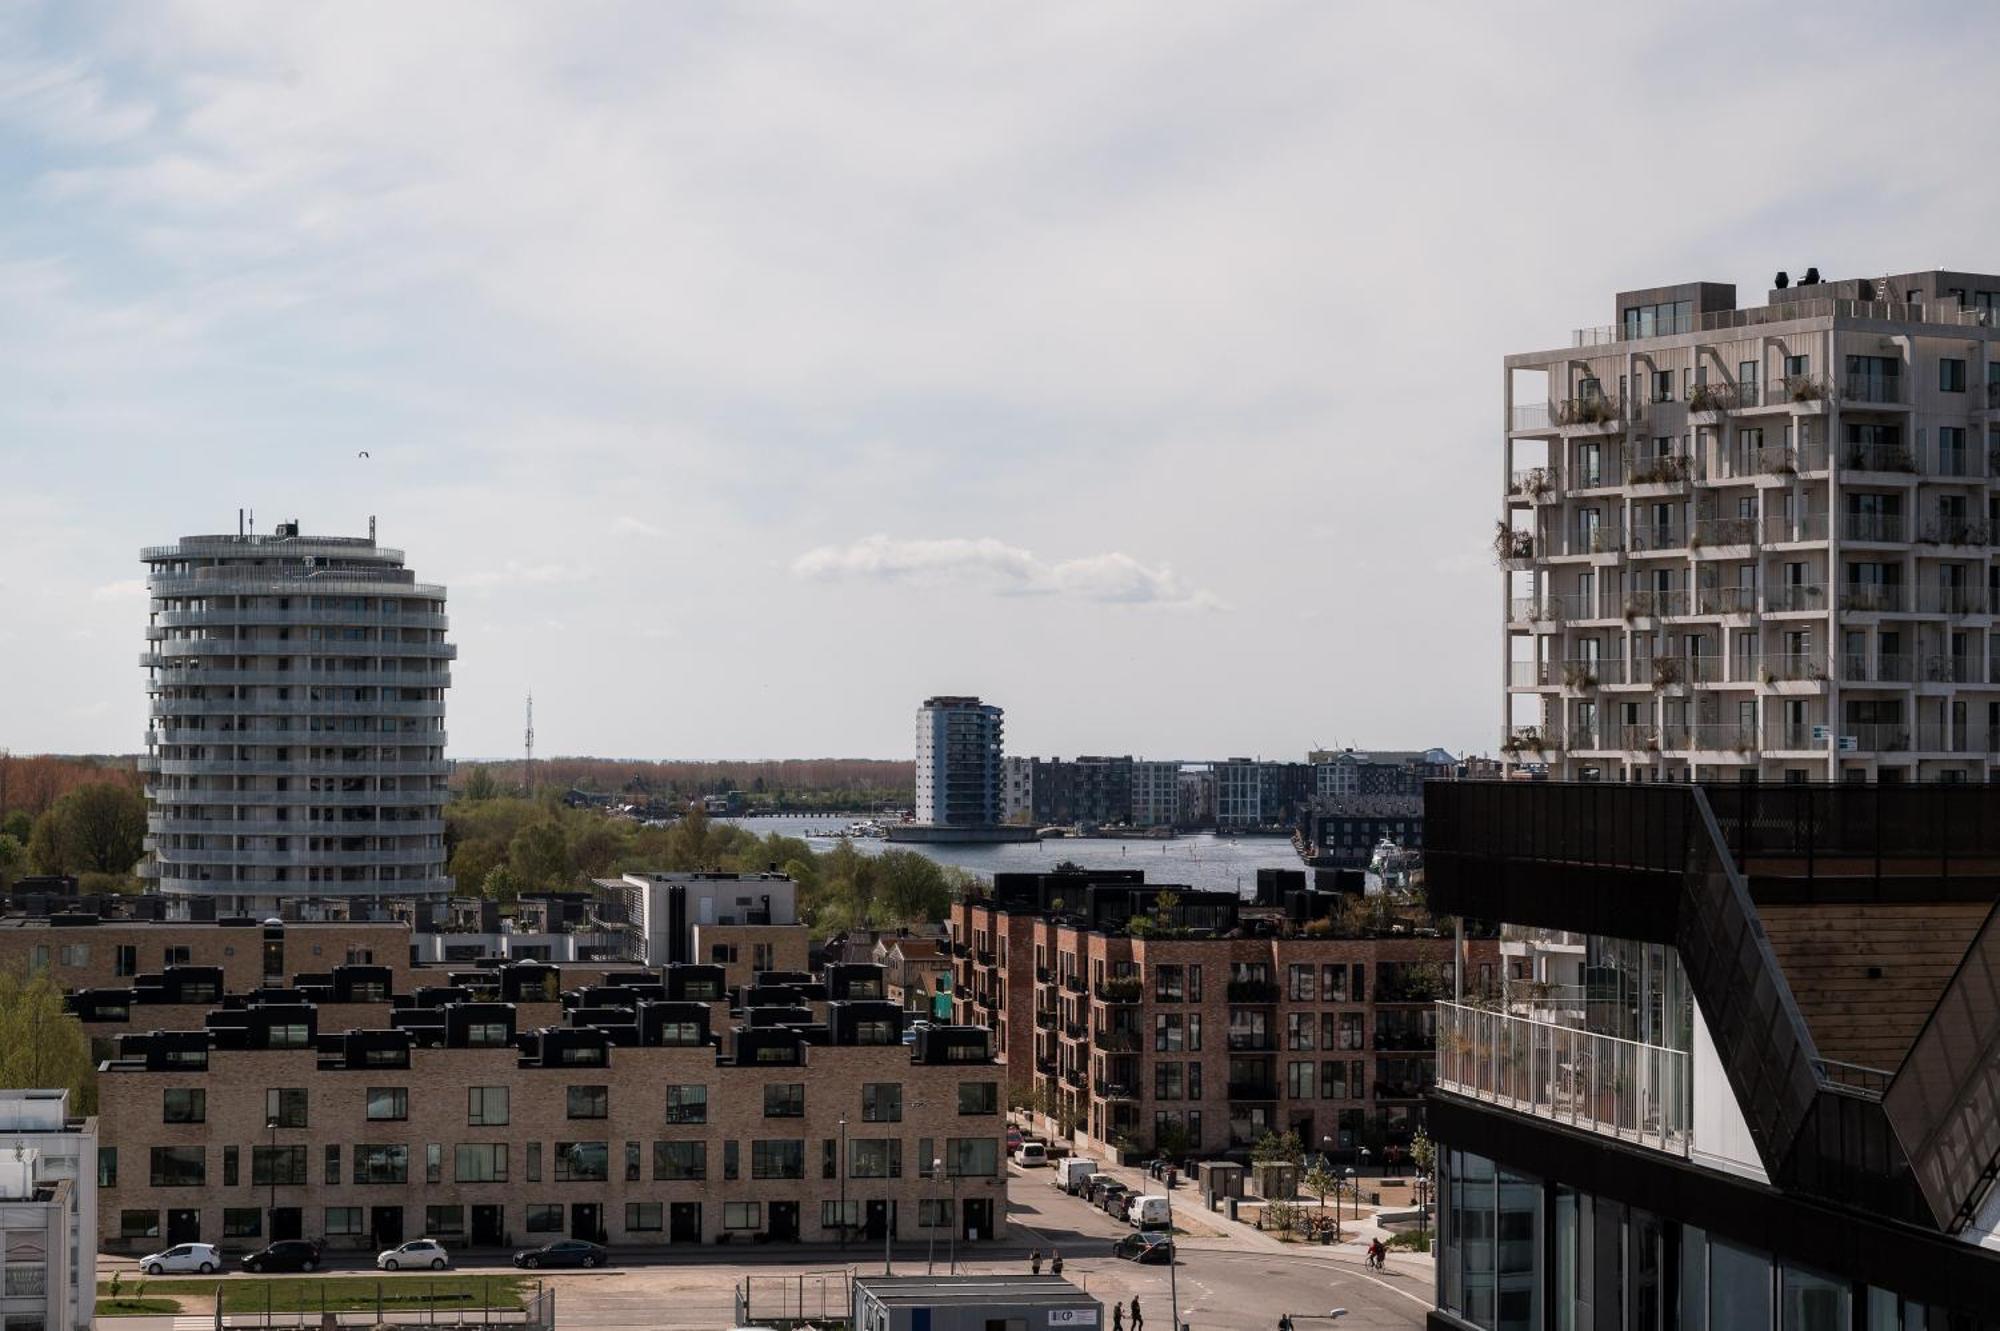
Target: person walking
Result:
[[1138, 1318], [1055, 1261], [1035, 1262], [1117, 1317]]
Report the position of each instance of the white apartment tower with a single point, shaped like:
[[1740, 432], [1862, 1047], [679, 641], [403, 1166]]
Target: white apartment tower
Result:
[[296, 686], [1759, 541], [959, 747]]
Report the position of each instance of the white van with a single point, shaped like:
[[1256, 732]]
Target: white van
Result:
[[1149, 1211], [1031, 1155], [1074, 1173]]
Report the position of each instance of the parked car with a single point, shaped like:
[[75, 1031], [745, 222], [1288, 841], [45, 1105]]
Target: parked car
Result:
[[415, 1253], [285, 1255], [563, 1252], [1148, 1211], [1094, 1186], [1146, 1246], [200, 1258], [1114, 1199], [1014, 1140], [1031, 1155]]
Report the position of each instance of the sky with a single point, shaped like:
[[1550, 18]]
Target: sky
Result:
[[751, 372]]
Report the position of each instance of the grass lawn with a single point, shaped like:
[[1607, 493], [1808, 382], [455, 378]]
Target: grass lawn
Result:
[[130, 1307], [242, 1294]]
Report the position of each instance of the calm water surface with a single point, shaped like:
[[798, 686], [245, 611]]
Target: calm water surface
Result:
[[1201, 860]]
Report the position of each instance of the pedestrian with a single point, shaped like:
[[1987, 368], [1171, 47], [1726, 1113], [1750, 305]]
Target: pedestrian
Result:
[[1035, 1262], [1117, 1317], [1055, 1261], [1138, 1318]]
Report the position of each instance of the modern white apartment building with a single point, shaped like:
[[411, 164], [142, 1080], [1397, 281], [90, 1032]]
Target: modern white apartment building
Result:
[[1759, 540], [296, 687], [1156, 793], [1017, 789], [959, 743], [49, 1171]]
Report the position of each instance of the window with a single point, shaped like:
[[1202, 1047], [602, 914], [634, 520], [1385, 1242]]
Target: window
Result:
[[926, 1157], [589, 1102], [1194, 984], [972, 1157], [881, 1102], [138, 1224], [486, 1106], [382, 1164], [446, 1221], [1951, 375], [830, 1216], [979, 1097], [179, 1167], [829, 1159], [1299, 1080], [287, 1035], [343, 1220], [534, 1152], [743, 1215], [875, 1157], [107, 1166], [1169, 984], [934, 1213], [73, 954], [1798, 367], [285, 1106], [332, 1164], [125, 959], [631, 1162], [230, 1168], [1299, 1028], [680, 1162], [1663, 385], [388, 1104], [1333, 1079], [242, 1222], [189, 1105], [644, 1217], [480, 1162], [687, 1104], [1299, 984], [1169, 1032], [545, 1217], [284, 1166], [778, 1158], [729, 1160], [785, 1099], [487, 1035], [1168, 1081], [1333, 983], [583, 1162], [682, 1034]]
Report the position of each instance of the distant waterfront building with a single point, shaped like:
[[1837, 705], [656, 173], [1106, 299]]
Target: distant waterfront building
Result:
[[1017, 789], [1090, 791], [296, 688], [1343, 831], [1383, 772], [1197, 797], [1253, 793], [959, 749], [1155, 793]]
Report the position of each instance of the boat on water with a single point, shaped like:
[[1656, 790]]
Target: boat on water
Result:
[[1393, 862]]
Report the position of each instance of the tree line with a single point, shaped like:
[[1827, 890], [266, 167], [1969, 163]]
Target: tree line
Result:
[[791, 783]]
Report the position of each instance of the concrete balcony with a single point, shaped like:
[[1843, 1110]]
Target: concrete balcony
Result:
[[1723, 532], [1637, 1093], [168, 824], [339, 618], [1786, 528], [291, 649], [165, 797], [168, 857], [238, 581], [292, 707], [261, 767], [1878, 460], [183, 676], [1795, 598], [232, 887]]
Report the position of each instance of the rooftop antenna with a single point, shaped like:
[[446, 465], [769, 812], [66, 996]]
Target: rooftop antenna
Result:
[[253, 522], [528, 749], [371, 529], [239, 523]]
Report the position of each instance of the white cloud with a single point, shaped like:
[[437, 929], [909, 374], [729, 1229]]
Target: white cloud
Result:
[[984, 562], [627, 525], [125, 589]]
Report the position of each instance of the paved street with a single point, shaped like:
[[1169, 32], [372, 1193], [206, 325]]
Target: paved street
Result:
[[1230, 1277]]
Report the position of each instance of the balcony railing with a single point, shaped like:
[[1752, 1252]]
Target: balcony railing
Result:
[[1727, 600], [1659, 469], [1884, 389], [1537, 483], [1529, 674], [1952, 531], [1797, 738], [1253, 991], [1876, 597], [1710, 737], [1595, 409], [1638, 1093], [1253, 1090], [1124, 989], [1117, 1042], [1647, 536], [1655, 604], [1782, 527], [1943, 737], [1873, 527], [1878, 737], [1793, 667], [1806, 596], [1801, 388], [1886, 668], [1532, 416], [1877, 457], [1532, 740], [1725, 531], [1948, 669]]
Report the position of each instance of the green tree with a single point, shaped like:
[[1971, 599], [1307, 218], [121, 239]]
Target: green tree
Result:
[[96, 828], [501, 884], [480, 785], [1322, 1182], [1277, 1149], [539, 856], [13, 860], [40, 1044], [18, 824]]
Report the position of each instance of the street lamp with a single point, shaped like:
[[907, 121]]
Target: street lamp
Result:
[[930, 1260], [271, 1170], [1354, 1192], [840, 1168], [954, 1222]]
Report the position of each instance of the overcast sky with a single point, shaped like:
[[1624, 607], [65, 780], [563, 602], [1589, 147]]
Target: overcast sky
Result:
[[750, 372]]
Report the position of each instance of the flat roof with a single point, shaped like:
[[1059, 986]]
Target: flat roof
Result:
[[908, 1291]]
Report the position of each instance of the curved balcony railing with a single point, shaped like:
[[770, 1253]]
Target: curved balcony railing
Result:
[[166, 797], [361, 619], [170, 648], [186, 676], [228, 887], [253, 546], [256, 767], [291, 707], [227, 580], [168, 824], [273, 859]]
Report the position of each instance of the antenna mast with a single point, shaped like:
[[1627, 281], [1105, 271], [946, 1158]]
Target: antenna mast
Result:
[[528, 750]]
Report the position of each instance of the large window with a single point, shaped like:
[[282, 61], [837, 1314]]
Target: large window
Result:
[[382, 1164], [778, 1158], [972, 1157], [785, 1099], [184, 1105], [583, 1162], [743, 1215], [480, 1162], [589, 1102], [388, 1104], [687, 1104], [285, 1106], [138, 1224], [643, 1217], [284, 1166], [882, 1102], [979, 1097], [680, 1161], [1491, 1250], [486, 1106], [875, 1157], [447, 1221], [343, 1220], [545, 1217], [179, 1167]]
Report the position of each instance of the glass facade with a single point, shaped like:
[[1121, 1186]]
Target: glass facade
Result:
[[1489, 1258]]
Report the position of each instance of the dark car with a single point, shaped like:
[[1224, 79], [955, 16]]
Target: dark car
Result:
[[1145, 1246], [285, 1255], [563, 1252], [1114, 1199]]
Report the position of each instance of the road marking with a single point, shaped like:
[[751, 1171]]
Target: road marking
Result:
[[1420, 1302]]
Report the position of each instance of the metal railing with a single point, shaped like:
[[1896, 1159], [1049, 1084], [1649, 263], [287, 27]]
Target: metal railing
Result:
[[1599, 410], [1726, 600], [1782, 527], [1665, 604], [1638, 1093], [1533, 416], [1880, 596], [1873, 527], [1877, 457], [1795, 596], [1659, 469], [1538, 483], [1653, 536], [1725, 531], [1883, 668], [1792, 667], [1952, 531], [1876, 389]]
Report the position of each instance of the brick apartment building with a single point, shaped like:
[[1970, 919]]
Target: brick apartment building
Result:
[[635, 1118], [1230, 1020]]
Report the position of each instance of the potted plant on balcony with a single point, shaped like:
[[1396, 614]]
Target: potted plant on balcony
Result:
[[1579, 675], [1666, 670]]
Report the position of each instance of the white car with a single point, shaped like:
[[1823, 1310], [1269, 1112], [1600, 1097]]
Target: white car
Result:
[[200, 1258], [416, 1253], [1031, 1155]]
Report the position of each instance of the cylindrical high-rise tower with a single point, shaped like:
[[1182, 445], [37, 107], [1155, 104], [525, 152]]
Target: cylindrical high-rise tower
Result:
[[297, 700]]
